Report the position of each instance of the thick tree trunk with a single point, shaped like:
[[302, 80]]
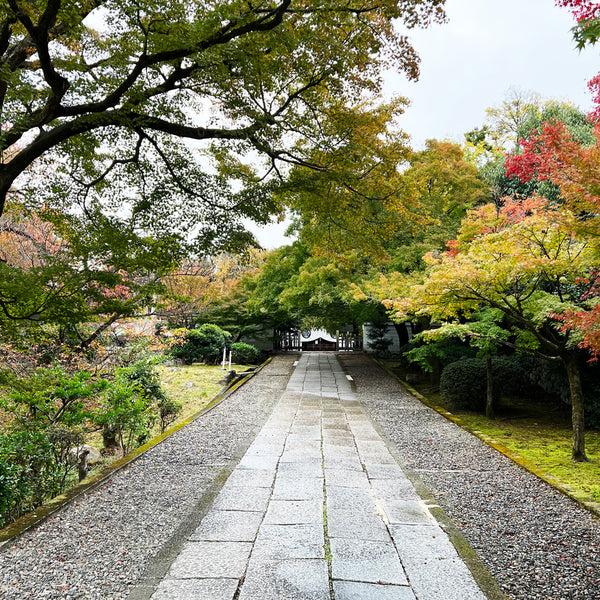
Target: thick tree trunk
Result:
[[577, 412], [489, 399]]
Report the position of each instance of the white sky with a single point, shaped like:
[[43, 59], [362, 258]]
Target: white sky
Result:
[[469, 64], [487, 47]]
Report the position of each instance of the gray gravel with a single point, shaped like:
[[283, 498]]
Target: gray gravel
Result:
[[537, 543], [98, 546]]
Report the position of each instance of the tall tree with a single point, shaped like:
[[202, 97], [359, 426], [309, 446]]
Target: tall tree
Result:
[[109, 90], [521, 261]]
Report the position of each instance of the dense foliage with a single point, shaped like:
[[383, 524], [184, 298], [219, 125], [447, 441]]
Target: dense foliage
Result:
[[205, 344], [244, 354]]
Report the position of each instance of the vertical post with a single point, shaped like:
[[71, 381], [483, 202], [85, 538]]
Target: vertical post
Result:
[[230, 360], [224, 357]]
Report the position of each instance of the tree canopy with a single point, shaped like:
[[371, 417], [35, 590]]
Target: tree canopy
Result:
[[105, 93], [525, 262]]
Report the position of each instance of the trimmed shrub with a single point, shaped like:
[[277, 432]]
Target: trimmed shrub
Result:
[[203, 344], [464, 383], [244, 354]]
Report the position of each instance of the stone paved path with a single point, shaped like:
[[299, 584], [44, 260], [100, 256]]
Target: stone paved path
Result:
[[318, 509]]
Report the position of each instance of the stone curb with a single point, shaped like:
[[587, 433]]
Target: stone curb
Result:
[[52, 506], [593, 507]]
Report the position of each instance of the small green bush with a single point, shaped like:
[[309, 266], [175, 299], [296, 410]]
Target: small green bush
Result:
[[244, 354], [203, 344], [28, 472], [125, 413], [464, 383]]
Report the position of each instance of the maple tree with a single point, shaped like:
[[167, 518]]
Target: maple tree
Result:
[[521, 261], [587, 31], [555, 155], [54, 271], [108, 92]]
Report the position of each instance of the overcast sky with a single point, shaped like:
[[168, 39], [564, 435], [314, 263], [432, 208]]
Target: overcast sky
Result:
[[487, 47], [469, 64]]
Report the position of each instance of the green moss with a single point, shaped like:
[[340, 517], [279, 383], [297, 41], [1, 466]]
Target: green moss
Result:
[[542, 436], [194, 385], [536, 434]]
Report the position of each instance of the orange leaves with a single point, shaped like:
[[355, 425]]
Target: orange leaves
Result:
[[521, 256]]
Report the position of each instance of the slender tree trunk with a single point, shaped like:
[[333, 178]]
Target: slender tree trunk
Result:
[[489, 399], [436, 371], [577, 412]]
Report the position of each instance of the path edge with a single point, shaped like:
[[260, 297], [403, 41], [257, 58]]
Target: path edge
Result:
[[485, 580], [593, 507]]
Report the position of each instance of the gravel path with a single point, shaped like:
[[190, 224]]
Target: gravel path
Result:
[[98, 546], [538, 544]]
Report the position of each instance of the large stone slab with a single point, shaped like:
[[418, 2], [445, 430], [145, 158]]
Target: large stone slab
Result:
[[251, 478], [350, 498], [366, 561], [286, 580], [422, 542], [251, 499], [211, 560], [384, 471], [292, 512], [307, 468], [346, 478], [352, 590], [288, 487], [196, 589], [228, 526], [337, 462], [353, 525], [289, 542], [260, 462], [394, 489], [434, 579]]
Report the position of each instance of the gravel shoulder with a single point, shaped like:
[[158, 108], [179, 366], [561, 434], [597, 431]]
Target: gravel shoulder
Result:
[[99, 545], [536, 542]]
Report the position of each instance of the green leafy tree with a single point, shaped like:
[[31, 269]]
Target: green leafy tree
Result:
[[524, 262], [484, 333], [51, 396], [445, 185], [125, 413], [104, 94]]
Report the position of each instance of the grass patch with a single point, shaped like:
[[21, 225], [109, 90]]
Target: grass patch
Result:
[[539, 432], [193, 385]]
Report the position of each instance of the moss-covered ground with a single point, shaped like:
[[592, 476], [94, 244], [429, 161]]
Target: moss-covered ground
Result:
[[538, 431], [194, 385]]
